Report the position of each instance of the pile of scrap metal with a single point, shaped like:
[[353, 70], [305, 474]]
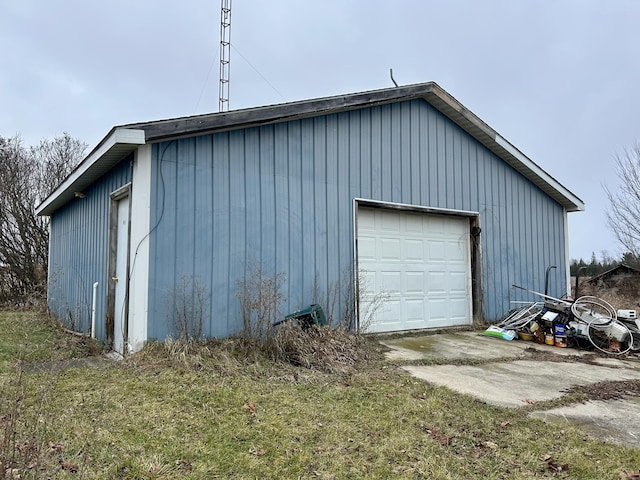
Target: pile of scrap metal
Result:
[[586, 322]]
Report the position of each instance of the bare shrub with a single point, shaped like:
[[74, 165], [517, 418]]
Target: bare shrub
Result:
[[188, 303], [334, 350], [369, 303], [334, 347], [260, 299]]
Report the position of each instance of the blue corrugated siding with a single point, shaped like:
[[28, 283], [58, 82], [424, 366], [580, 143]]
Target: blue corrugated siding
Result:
[[78, 253], [280, 196]]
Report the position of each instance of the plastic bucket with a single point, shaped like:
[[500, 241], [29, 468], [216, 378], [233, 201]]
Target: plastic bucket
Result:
[[548, 339], [559, 329], [561, 341]]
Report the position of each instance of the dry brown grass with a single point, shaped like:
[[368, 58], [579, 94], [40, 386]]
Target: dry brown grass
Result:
[[625, 296], [334, 350], [210, 410], [320, 348]]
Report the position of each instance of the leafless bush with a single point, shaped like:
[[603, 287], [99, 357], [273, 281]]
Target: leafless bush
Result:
[[324, 348], [369, 303], [337, 346], [188, 303], [346, 292], [260, 299]]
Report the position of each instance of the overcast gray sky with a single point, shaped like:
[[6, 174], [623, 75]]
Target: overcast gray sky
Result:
[[559, 79]]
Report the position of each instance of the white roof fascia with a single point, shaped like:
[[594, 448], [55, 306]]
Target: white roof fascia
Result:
[[539, 172], [119, 137]]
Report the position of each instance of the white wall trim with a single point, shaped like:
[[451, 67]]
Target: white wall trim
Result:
[[567, 260], [119, 137], [539, 172], [364, 202], [139, 262]]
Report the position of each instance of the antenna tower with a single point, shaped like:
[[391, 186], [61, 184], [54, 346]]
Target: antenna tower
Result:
[[225, 54]]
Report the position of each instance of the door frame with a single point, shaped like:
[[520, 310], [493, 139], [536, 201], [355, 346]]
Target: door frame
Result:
[[475, 248], [121, 194]]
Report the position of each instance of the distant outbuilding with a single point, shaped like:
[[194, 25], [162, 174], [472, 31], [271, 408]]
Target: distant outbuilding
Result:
[[617, 276]]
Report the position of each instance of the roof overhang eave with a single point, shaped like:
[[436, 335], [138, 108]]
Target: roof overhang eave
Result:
[[467, 120], [119, 143], [124, 139]]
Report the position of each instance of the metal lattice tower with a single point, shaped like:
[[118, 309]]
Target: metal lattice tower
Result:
[[225, 54]]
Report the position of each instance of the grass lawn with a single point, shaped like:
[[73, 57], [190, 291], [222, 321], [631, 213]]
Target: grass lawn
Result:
[[214, 413]]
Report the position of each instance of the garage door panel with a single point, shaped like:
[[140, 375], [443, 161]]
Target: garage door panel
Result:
[[414, 250], [414, 223], [390, 249], [419, 263], [455, 252], [367, 248], [458, 311], [388, 221], [435, 224], [391, 281], [438, 308], [415, 283], [368, 282], [391, 310], [436, 251], [458, 283], [415, 308], [436, 282], [366, 221]]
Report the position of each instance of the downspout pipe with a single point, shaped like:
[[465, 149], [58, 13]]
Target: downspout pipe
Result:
[[546, 279], [93, 310]]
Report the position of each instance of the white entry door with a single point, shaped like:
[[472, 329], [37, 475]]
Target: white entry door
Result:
[[122, 256], [415, 270]]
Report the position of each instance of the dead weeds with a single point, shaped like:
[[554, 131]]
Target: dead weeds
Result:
[[333, 350], [613, 390], [625, 296]]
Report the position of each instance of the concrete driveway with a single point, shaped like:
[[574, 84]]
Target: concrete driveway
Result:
[[517, 373]]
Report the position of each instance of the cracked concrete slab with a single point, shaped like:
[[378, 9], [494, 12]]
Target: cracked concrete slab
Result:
[[612, 420], [505, 373], [465, 346], [519, 382]]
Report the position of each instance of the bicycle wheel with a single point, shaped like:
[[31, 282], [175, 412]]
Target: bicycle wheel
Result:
[[593, 310], [614, 338]]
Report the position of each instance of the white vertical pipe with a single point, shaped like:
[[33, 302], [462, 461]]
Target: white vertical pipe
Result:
[[93, 310]]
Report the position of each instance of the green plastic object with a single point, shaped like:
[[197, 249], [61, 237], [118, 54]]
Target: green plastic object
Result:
[[312, 315], [494, 331]]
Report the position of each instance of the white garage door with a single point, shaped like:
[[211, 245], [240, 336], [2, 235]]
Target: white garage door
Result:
[[415, 270]]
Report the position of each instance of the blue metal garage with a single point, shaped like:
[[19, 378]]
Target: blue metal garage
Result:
[[403, 189]]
